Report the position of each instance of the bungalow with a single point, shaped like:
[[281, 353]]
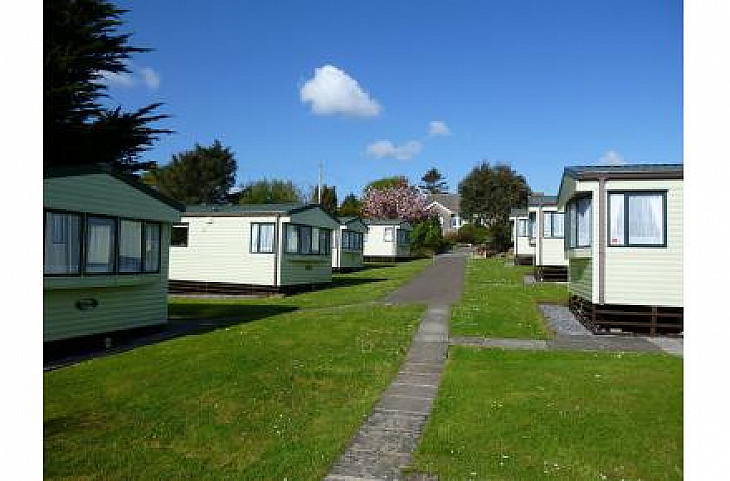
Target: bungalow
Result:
[[547, 237], [624, 245], [524, 251], [105, 253], [239, 248], [347, 244], [446, 207], [387, 239]]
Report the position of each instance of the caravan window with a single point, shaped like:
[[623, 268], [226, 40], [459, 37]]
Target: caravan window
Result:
[[262, 237], [152, 241], [388, 234], [308, 240], [179, 234], [130, 246], [579, 222], [100, 244], [522, 228], [552, 225], [637, 219], [62, 250]]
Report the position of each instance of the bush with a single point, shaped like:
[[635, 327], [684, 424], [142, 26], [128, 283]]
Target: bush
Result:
[[426, 238], [472, 234]]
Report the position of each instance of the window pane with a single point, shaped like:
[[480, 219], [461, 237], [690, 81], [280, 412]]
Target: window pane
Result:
[[179, 235], [152, 247], [388, 234], [130, 246], [547, 227], [646, 219], [305, 240], [558, 228], [292, 238], [324, 242], [266, 238], [315, 240], [62, 243], [616, 220], [99, 244], [584, 222], [255, 237], [531, 224]]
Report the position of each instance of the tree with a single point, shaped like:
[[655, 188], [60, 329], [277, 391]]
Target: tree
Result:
[[433, 183], [351, 207], [271, 192], [487, 195], [329, 198], [426, 237], [386, 182], [203, 175], [403, 202], [81, 44]]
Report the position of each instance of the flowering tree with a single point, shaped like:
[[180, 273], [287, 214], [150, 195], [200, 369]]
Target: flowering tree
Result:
[[400, 202]]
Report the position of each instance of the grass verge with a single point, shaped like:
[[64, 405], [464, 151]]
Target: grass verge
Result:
[[275, 399], [515, 415], [496, 303]]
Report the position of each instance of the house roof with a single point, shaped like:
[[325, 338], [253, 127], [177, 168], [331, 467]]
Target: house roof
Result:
[[450, 201], [345, 221], [650, 171], [244, 209], [518, 213], [542, 200], [131, 180], [399, 222]]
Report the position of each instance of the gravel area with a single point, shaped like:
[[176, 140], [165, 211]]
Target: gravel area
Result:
[[562, 321]]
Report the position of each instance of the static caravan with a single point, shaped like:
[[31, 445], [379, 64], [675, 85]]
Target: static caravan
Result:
[[347, 244], [624, 245], [547, 236], [524, 249], [240, 248], [387, 239], [106, 238]]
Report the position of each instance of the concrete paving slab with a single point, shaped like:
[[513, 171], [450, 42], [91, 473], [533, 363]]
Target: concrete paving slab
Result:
[[419, 405], [529, 344], [670, 345], [414, 390]]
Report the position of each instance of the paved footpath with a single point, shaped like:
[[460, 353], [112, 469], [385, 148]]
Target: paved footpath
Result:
[[384, 443]]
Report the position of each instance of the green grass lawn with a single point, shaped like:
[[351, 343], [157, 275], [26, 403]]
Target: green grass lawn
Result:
[[274, 399], [515, 415], [496, 303], [370, 284]]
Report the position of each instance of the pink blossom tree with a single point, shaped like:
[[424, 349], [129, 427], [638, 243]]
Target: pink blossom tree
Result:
[[399, 202]]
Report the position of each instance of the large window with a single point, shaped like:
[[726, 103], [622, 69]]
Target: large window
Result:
[[305, 239], [637, 219], [388, 234], [552, 225], [62, 250], [531, 225], [579, 222], [402, 237], [179, 235], [262, 238], [352, 240], [108, 245], [521, 227]]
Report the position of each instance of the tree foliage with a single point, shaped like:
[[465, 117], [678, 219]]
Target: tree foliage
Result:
[[426, 237], [402, 202], [329, 198], [273, 191], [203, 175], [433, 182], [351, 207], [387, 182], [80, 44], [487, 195]]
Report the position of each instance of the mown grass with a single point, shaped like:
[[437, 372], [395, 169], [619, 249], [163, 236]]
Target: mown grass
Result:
[[274, 399], [496, 303], [370, 284], [509, 415]]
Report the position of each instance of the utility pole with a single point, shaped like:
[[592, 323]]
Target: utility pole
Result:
[[319, 189]]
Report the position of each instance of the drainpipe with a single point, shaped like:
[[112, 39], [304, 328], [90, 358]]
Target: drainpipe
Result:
[[601, 240], [278, 232], [540, 231]]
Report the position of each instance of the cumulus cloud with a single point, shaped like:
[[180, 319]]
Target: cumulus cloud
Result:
[[332, 91], [147, 75], [438, 127], [150, 78], [386, 149], [612, 158]]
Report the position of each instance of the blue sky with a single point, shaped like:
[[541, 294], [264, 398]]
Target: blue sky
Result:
[[538, 85]]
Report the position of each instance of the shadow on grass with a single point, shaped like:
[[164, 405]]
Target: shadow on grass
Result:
[[190, 318], [352, 281]]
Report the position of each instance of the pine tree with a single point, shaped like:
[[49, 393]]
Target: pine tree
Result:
[[433, 182]]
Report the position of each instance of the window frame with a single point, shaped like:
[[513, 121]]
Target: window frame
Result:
[[82, 235], [398, 235], [258, 239], [525, 231], [141, 248], [327, 237], [390, 229], [636, 193], [187, 237], [145, 223], [552, 214], [568, 222], [115, 249]]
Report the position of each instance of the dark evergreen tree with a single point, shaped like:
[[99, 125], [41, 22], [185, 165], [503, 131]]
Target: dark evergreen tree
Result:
[[487, 195], [80, 44], [329, 198], [433, 182], [203, 175], [351, 207]]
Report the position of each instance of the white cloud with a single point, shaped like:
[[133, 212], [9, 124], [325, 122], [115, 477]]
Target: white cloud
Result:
[[150, 78], [332, 91], [385, 149], [121, 79], [612, 158], [438, 127]]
